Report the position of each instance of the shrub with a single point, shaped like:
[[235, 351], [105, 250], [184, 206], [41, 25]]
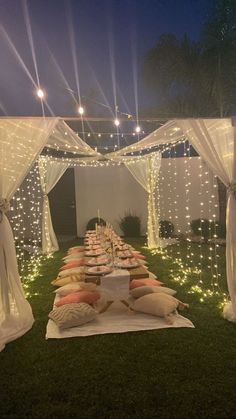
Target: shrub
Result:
[[130, 225], [92, 223], [207, 229], [221, 230], [201, 227], [166, 228]]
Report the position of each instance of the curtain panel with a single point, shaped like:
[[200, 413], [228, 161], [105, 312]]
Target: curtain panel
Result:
[[215, 141], [146, 172], [21, 141], [50, 174]]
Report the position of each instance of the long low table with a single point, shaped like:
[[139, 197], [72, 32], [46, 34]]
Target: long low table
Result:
[[139, 272]]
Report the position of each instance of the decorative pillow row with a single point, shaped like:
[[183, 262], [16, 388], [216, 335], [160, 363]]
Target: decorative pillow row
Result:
[[144, 281], [75, 286], [144, 290], [72, 315], [89, 297], [59, 282], [158, 304]]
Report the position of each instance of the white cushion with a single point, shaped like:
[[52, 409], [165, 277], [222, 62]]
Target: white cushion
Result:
[[140, 291], [158, 304], [71, 315], [75, 286]]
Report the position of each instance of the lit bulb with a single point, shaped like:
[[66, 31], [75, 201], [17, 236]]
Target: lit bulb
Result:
[[137, 129], [40, 93], [117, 122], [81, 110]]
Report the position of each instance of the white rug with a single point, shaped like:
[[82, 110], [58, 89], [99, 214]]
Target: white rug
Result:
[[117, 319]]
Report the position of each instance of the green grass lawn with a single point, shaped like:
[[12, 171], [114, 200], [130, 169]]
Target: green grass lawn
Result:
[[165, 373]]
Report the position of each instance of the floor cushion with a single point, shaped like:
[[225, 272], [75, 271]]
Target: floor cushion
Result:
[[144, 290], [157, 304], [144, 281], [74, 287], [59, 282], [72, 315], [89, 297]]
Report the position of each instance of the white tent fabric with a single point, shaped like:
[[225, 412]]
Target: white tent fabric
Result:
[[215, 141], [20, 143], [63, 138], [146, 172], [50, 173], [168, 133]]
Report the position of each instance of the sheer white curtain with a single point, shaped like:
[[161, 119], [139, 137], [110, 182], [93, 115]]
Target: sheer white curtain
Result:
[[146, 172], [50, 173], [215, 141], [21, 140]]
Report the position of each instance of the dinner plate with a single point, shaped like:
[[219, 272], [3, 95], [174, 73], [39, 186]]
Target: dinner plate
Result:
[[97, 262], [124, 255], [127, 265], [99, 270], [94, 253], [93, 247]]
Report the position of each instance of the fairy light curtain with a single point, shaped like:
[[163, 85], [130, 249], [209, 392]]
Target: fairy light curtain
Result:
[[21, 140], [146, 173], [215, 141], [63, 138], [50, 173]]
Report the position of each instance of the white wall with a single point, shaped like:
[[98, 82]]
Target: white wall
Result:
[[114, 191], [111, 189]]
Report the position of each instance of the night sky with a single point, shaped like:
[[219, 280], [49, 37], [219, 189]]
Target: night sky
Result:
[[109, 40]]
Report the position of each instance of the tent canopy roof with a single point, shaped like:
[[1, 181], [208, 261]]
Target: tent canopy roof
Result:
[[63, 139]]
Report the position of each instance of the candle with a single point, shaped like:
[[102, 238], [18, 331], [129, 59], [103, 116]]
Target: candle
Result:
[[98, 215]]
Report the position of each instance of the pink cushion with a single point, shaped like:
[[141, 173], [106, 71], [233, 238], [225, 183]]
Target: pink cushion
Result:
[[73, 264], [72, 251], [89, 297], [144, 281], [138, 256]]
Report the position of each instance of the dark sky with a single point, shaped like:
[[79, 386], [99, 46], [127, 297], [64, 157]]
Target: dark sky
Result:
[[109, 39]]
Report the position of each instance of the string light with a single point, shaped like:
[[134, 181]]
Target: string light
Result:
[[81, 110], [32, 188], [40, 93]]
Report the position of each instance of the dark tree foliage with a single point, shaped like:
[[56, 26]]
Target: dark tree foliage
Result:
[[196, 79]]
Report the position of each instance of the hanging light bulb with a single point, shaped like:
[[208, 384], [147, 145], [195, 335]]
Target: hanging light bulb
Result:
[[137, 129], [40, 93], [81, 110], [116, 122]]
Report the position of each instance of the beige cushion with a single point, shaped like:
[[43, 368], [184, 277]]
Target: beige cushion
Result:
[[75, 286], [140, 291], [158, 304], [59, 282], [72, 315], [71, 271]]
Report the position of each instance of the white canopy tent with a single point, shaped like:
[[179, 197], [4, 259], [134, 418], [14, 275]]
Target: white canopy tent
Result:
[[21, 141]]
